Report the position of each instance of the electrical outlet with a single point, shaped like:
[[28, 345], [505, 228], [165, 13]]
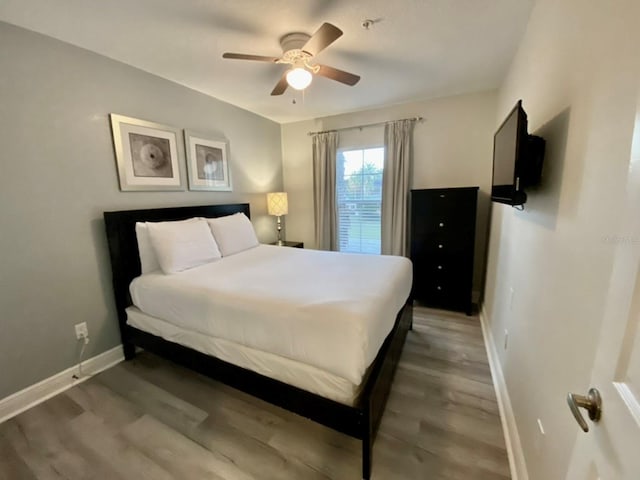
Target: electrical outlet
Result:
[[506, 338], [82, 331]]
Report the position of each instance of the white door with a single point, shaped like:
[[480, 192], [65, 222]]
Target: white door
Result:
[[611, 448]]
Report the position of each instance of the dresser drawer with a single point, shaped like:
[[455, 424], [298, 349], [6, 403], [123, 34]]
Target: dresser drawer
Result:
[[450, 293], [429, 223], [444, 266], [444, 204], [445, 245]]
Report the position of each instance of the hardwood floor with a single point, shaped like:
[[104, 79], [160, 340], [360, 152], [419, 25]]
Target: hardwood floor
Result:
[[149, 419]]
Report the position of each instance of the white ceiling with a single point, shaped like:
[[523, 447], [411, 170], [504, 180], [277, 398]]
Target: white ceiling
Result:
[[419, 49]]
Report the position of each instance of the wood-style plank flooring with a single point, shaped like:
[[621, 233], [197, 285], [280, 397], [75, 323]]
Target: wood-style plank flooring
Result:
[[149, 419]]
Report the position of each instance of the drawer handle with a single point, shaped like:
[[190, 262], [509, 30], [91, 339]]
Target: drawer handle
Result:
[[442, 196], [440, 246], [441, 224], [439, 287], [439, 267]]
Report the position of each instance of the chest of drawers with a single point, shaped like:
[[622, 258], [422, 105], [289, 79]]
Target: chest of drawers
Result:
[[442, 233]]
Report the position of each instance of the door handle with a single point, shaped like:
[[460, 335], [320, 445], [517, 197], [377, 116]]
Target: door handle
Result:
[[592, 403]]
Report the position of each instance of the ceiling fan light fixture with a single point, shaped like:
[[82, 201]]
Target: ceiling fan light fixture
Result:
[[299, 78]]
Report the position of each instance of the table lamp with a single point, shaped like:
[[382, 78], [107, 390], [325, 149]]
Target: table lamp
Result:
[[277, 205]]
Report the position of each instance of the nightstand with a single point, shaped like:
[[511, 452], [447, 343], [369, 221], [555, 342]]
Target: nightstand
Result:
[[287, 243]]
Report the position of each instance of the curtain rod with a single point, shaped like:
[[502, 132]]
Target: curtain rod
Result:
[[417, 119]]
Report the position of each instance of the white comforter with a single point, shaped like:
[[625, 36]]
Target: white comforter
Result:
[[326, 309]]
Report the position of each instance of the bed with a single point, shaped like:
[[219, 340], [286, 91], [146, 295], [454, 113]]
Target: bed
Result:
[[346, 390]]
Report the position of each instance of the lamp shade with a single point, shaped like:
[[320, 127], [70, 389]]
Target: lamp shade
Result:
[[277, 203], [299, 78]]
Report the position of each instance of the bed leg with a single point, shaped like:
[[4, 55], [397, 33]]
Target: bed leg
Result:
[[410, 320], [129, 350], [367, 440], [366, 457]]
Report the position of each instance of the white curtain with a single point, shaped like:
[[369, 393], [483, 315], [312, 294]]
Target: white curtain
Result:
[[325, 147], [398, 137]]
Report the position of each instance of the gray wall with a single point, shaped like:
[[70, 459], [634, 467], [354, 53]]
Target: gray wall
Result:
[[59, 174]]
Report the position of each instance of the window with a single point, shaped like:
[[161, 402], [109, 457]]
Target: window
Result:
[[359, 192]]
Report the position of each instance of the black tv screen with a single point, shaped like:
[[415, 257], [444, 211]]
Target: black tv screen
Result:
[[509, 145]]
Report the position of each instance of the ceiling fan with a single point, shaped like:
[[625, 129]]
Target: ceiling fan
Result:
[[298, 51]]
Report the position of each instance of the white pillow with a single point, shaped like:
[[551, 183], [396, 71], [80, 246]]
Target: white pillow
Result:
[[233, 233], [182, 245], [148, 258]]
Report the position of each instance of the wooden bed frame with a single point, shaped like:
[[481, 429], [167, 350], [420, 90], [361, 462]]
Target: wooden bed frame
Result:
[[360, 421]]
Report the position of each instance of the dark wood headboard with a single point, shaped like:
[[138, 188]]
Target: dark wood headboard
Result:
[[123, 245]]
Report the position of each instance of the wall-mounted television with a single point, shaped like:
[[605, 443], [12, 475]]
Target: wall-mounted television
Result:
[[517, 159]]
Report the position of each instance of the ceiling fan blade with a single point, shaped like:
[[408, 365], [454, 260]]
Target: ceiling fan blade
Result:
[[324, 36], [338, 75], [281, 86], [242, 56]]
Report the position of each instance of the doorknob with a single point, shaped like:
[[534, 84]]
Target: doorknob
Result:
[[592, 403]]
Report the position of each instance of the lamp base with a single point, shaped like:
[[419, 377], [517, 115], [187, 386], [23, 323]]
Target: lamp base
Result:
[[280, 242]]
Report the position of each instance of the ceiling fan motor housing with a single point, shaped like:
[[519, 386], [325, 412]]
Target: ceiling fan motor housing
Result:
[[293, 41], [293, 54]]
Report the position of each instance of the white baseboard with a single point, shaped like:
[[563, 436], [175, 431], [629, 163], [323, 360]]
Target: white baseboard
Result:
[[517, 463], [47, 388]]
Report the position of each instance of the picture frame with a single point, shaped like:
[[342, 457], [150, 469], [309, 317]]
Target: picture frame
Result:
[[149, 155], [208, 163]]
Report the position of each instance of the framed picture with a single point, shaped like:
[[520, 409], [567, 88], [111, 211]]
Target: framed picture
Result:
[[207, 163], [147, 153]]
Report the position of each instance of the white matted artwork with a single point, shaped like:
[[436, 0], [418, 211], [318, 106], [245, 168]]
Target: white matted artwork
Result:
[[147, 154], [207, 163]]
